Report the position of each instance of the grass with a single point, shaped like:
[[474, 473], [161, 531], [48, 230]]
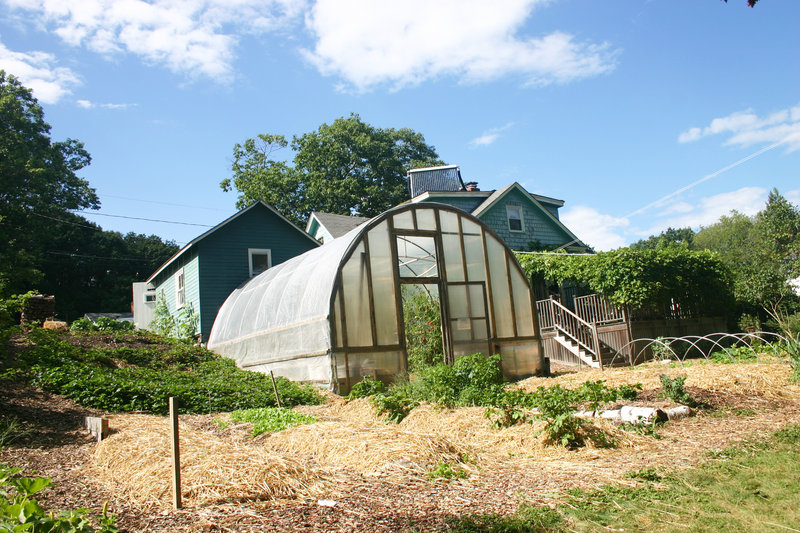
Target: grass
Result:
[[749, 487]]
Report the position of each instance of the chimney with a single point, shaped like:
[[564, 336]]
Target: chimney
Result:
[[471, 186]]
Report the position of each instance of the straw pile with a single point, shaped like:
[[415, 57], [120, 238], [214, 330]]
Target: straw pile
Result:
[[765, 379], [368, 447], [135, 461]]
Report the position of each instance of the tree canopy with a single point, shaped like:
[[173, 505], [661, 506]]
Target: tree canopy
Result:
[[763, 253], [668, 237], [43, 245], [347, 167]]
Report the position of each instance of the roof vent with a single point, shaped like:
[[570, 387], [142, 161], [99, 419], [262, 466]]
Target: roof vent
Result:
[[471, 186]]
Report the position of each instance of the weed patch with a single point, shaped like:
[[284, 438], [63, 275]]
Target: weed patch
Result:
[[271, 419]]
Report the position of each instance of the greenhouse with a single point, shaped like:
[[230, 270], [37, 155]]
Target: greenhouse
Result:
[[345, 310]]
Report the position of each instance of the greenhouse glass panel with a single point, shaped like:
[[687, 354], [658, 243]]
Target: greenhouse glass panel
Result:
[[449, 222], [416, 256], [383, 286], [383, 366], [454, 266], [520, 359], [476, 261], [522, 304], [355, 290], [468, 227], [501, 300], [404, 220], [336, 318], [426, 219]]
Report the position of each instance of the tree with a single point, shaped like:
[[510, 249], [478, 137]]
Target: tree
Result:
[[668, 237], [37, 181], [751, 3], [348, 167], [763, 252]]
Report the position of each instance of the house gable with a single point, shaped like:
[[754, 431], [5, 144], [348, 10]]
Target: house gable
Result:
[[539, 224]]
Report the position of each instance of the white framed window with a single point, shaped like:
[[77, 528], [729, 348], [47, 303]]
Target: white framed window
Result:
[[150, 297], [180, 289], [259, 259], [515, 221]]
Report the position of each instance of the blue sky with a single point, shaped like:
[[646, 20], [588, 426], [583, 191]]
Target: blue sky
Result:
[[627, 110]]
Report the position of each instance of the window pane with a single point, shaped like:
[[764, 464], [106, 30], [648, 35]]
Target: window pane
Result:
[[501, 301], [514, 218], [522, 304], [260, 263], [356, 299], [416, 256], [449, 222], [403, 220], [473, 248]]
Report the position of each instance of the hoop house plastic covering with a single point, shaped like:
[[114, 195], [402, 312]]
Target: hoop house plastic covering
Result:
[[335, 314]]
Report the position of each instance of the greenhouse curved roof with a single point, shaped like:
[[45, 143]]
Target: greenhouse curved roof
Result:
[[302, 286]]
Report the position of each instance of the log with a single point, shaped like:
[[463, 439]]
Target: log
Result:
[[682, 411], [642, 415]]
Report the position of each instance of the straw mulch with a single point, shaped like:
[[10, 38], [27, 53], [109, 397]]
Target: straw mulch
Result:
[[771, 380], [135, 460]]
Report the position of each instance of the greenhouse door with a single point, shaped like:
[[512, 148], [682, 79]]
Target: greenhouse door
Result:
[[467, 316]]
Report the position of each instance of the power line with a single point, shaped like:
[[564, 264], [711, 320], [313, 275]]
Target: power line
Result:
[[163, 203], [97, 228], [147, 219], [70, 254]]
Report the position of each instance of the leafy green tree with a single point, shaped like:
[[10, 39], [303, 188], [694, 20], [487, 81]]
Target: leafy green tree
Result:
[[763, 253], [668, 237], [38, 181], [346, 167]]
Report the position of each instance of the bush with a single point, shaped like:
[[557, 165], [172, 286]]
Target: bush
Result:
[[366, 387], [104, 323], [673, 389], [128, 379]]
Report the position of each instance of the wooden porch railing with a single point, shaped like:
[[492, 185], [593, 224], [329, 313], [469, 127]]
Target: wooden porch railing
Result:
[[597, 310], [554, 316]]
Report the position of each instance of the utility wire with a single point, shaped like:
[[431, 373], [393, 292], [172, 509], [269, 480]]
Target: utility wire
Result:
[[163, 203], [97, 228], [70, 254], [147, 219]]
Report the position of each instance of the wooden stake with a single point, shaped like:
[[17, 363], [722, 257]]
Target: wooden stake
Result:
[[275, 389], [176, 454]]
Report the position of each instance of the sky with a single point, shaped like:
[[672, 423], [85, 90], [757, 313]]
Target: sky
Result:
[[639, 114]]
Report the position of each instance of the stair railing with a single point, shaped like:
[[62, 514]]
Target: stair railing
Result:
[[553, 315]]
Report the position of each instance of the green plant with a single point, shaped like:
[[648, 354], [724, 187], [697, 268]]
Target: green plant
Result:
[[423, 327], [793, 352], [447, 471], [557, 408], [366, 387], [673, 389], [748, 322], [395, 405], [528, 519], [662, 349], [142, 379], [734, 354], [20, 512], [104, 323], [181, 325], [645, 474], [11, 307], [271, 419], [10, 430]]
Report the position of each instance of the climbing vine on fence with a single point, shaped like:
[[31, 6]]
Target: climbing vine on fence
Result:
[[642, 278]]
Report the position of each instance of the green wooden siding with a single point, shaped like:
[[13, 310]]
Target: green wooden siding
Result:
[[166, 280], [537, 225], [224, 259], [465, 203]]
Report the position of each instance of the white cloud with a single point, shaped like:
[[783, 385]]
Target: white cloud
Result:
[[708, 210], [793, 196], [86, 104], [489, 136], [195, 38], [601, 232], [38, 71], [745, 128], [368, 43]]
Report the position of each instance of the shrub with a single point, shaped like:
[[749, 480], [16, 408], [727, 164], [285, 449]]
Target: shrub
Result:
[[734, 354], [366, 387], [673, 389], [448, 472], [104, 323]]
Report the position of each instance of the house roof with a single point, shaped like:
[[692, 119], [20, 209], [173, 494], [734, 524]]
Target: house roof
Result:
[[445, 178], [500, 193], [336, 225], [219, 226]]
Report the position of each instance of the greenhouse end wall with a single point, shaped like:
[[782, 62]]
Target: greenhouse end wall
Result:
[[335, 314]]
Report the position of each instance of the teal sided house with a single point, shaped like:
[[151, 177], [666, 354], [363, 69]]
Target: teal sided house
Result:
[[204, 272], [524, 221]]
